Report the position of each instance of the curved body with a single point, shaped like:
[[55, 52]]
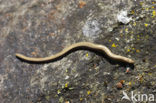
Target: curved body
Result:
[[80, 44]]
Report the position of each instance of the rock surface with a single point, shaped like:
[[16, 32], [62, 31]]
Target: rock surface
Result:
[[39, 28]]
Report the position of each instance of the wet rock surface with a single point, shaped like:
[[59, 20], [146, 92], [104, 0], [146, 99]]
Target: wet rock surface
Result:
[[39, 28]]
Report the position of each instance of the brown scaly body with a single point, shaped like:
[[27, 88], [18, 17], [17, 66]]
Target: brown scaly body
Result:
[[80, 44]]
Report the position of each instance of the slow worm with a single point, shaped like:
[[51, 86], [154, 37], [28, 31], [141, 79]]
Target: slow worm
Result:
[[76, 45]]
